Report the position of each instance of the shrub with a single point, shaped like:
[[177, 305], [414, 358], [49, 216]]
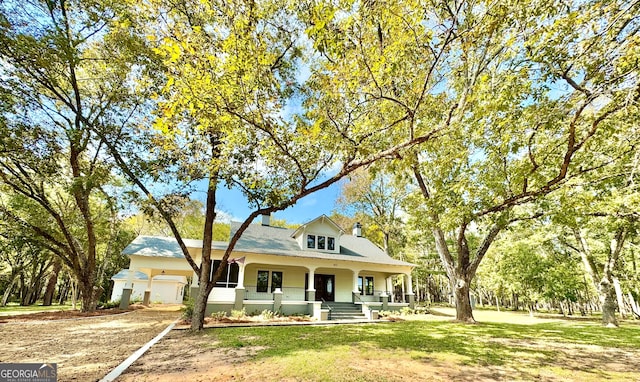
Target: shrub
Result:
[[238, 313], [109, 304], [218, 315], [267, 314], [187, 309], [406, 311], [385, 313], [422, 310]]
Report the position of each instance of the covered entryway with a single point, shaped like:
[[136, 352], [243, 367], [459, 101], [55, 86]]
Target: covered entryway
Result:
[[325, 286]]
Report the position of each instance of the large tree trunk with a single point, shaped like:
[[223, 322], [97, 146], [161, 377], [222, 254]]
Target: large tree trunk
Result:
[[200, 303], [88, 292], [7, 292], [51, 284], [463, 300], [606, 290], [607, 296]]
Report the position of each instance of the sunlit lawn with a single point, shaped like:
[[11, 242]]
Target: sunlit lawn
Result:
[[522, 349], [15, 309]]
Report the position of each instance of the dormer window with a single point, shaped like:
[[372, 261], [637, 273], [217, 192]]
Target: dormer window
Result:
[[320, 234], [311, 241], [321, 242]]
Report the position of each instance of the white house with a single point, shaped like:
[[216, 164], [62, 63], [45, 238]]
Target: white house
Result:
[[163, 288], [303, 271]]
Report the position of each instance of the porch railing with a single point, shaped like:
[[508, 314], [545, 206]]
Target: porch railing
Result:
[[375, 297], [288, 294], [325, 304]]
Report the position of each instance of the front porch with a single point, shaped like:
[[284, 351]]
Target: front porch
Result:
[[302, 290]]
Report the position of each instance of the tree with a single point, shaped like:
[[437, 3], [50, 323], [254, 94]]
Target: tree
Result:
[[529, 262], [28, 265], [376, 197], [515, 93], [188, 217], [516, 139], [231, 70], [61, 74], [603, 217]]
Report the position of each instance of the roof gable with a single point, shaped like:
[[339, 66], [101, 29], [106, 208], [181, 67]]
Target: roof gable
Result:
[[322, 224]]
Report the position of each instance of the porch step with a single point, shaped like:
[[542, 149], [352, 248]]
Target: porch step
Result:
[[345, 311]]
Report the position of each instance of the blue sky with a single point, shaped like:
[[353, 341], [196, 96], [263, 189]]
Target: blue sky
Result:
[[233, 203]]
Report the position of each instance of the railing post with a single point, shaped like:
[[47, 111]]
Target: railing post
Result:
[[277, 300], [384, 298], [239, 301]]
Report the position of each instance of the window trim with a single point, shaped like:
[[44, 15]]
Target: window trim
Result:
[[270, 287], [311, 239], [331, 243], [233, 271], [325, 239], [273, 286], [364, 283], [258, 283]]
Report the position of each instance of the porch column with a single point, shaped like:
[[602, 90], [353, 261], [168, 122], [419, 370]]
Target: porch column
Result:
[[356, 272], [147, 293], [390, 289], [311, 290], [241, 276], [240, 291], [409, 296], [126, 291], [355, 290]]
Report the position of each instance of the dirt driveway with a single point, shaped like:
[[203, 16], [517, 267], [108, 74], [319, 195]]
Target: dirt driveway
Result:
[[85, 349]]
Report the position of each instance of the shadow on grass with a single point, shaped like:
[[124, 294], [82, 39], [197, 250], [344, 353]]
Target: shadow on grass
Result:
[[521, 349]]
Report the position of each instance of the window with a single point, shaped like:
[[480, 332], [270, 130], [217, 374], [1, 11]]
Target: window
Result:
[[365, 285], [311, 241], [368, 285], [263, 281], [322, 242], [229, 276], [276, 280]]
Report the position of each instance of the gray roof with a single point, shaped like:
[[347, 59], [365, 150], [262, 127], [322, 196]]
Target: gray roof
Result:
[[164, 246], [123, 274], [278, 241], [267, 240]]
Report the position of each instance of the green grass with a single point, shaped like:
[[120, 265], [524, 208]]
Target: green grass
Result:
[[15, 309], [527, 351]]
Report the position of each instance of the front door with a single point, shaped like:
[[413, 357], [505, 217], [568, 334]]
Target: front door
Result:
[[325, 287]]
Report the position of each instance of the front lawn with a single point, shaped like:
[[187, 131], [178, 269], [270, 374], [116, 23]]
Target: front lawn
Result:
[[562, 350], [14, 309]]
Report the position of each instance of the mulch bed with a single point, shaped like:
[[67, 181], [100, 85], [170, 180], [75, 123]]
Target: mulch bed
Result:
[[245, 320]]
